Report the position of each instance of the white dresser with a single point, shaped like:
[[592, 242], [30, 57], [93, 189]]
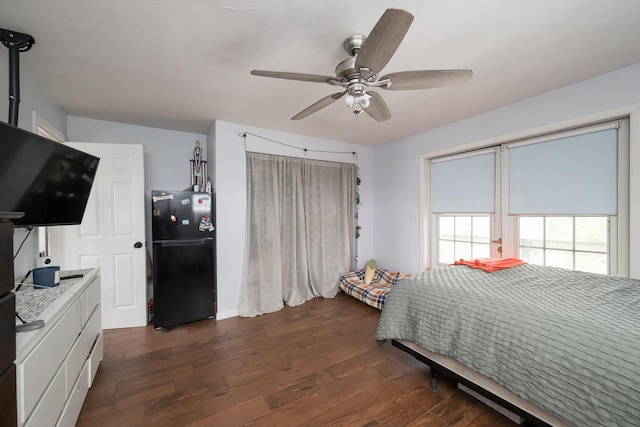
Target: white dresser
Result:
[[56, 365]]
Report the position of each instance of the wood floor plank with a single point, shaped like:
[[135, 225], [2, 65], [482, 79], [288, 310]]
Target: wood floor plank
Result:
[[459, 410], [298, 389], [311, 405], [122, 369], [350, 412], [183, 404], [143, 389], [409, 407], [427, 420], [240, 414], [251, 374], [114, 417], [234, 396], [212, 373], [315, 364]]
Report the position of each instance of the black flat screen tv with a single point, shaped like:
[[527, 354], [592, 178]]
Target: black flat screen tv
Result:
[[50, 182]]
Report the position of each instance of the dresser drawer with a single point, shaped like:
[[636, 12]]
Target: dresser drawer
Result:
[[47, 411], [73, 365], [73, 407], [46, 359], [95, 357], [90, 299], [90, 333]]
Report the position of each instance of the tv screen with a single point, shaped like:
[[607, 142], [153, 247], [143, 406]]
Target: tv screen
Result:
[[48, 181]]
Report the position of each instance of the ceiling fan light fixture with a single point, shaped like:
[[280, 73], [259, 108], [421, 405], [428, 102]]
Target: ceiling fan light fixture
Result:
[[358, 101], [364, 100], [349, 100], [358, 98]]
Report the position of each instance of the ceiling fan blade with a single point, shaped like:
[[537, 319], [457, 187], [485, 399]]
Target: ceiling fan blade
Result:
[[377, 107], [426, 79], [293, 76], [384, 39], [324, 102]]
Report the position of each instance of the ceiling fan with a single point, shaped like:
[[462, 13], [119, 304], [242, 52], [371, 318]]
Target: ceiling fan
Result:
[[360, 72]]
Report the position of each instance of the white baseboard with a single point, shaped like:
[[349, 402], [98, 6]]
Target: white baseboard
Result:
[[226, 314]]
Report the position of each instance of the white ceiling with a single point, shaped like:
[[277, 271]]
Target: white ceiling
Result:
[[182, 64]]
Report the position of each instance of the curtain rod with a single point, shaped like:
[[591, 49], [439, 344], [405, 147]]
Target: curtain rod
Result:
[[305, 150]]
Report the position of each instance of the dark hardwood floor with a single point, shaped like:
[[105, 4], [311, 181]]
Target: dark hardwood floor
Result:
[[317, 364]]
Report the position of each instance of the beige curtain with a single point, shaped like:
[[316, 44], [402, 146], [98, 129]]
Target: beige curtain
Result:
[[300, 232]]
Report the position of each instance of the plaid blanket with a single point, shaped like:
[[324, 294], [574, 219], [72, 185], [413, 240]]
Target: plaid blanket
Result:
[[375, 293]]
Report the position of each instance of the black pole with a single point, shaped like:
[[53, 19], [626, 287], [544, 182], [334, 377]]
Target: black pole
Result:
[[16, 42], [14, 85]]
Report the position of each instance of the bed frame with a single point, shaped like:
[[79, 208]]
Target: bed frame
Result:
[[478, 383]]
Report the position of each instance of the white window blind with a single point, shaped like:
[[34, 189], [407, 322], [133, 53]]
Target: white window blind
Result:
[[464, 183], [572, 175]]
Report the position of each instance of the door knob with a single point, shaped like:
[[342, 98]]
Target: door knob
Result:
[[137, 245]]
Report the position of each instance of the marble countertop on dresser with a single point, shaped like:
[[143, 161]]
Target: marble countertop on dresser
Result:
[[48, 304]]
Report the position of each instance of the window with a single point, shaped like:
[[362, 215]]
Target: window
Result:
[[463, 236], [559, 199], [464, 224], [564, 193], [573, 242]]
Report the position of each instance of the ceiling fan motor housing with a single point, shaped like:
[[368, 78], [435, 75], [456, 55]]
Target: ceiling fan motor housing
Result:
[[346, 68], [353, 44]]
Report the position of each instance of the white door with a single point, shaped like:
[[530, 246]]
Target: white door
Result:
[[112, 233]]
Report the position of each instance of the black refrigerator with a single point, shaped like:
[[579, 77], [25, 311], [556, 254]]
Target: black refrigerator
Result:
[[184, 257]]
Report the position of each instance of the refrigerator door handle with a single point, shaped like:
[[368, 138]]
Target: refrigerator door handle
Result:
[[168, 243]]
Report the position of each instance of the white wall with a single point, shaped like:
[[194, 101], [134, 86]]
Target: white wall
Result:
[[230, 189], [31, 99], [397, 164], [166, 154]]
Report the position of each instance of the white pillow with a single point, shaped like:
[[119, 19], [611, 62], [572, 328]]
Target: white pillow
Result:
[[369, 271]]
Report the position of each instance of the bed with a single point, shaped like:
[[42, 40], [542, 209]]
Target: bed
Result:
[[374, 293], [565, 343]]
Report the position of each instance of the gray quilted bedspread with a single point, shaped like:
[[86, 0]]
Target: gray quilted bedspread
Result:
[[566, 341]]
